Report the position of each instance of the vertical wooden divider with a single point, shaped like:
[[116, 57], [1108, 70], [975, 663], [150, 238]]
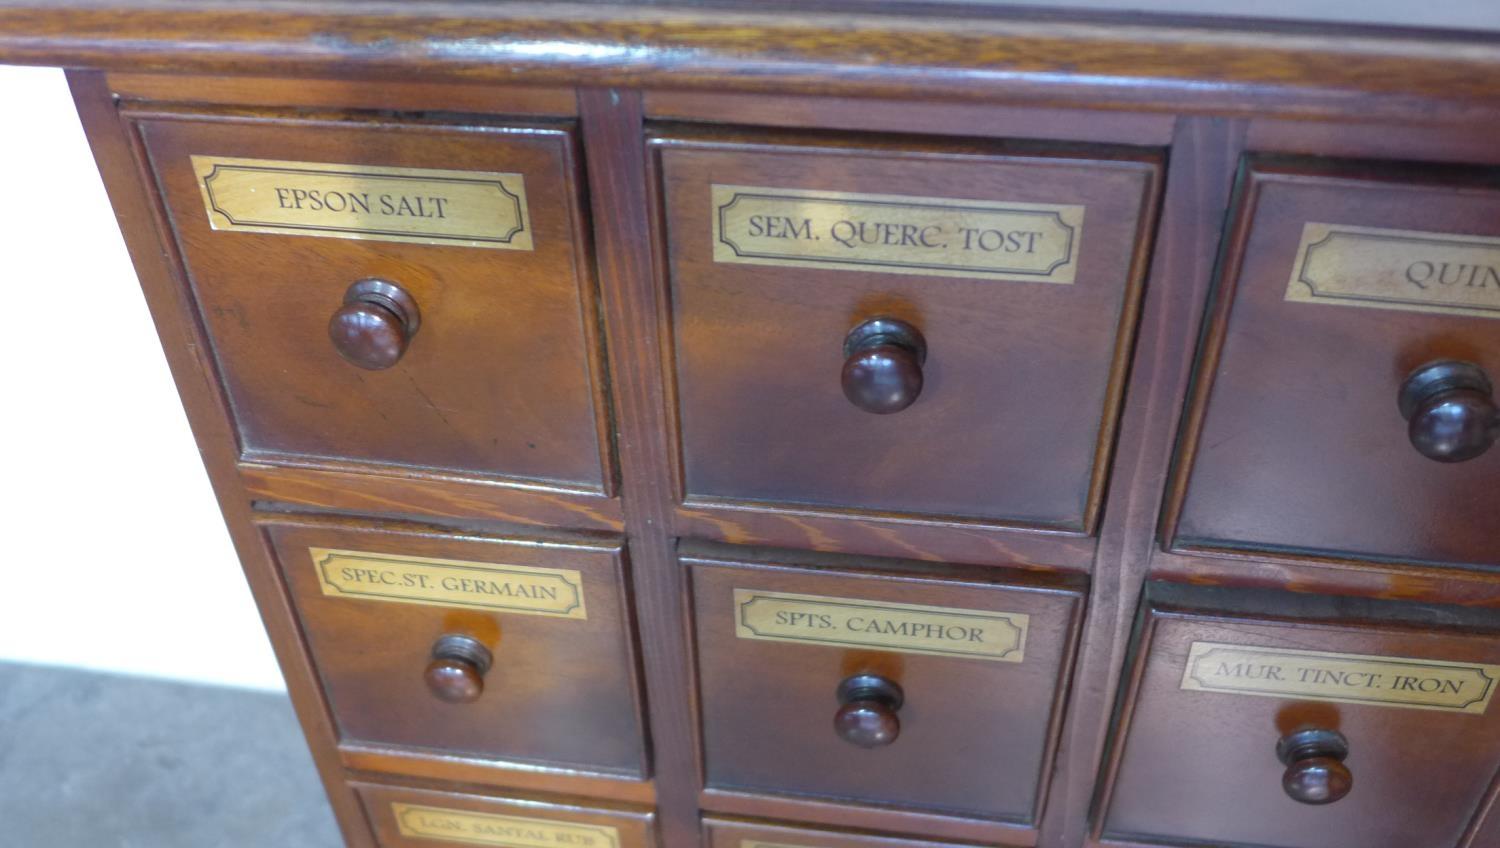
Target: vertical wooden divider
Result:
[[185, 344], [1200, 174], [614, 148]]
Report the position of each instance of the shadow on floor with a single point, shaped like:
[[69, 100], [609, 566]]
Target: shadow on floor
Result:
[[106, 761]]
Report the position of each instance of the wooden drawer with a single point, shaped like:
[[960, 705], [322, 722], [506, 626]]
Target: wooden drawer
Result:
[[1330, 297], [501, 375], [884, 688], [377, 602], [780, 248], [416, 817], [728, 833], [1221, 677]]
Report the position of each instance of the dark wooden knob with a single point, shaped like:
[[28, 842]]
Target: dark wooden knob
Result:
[[375, 324], [867, 711], [1315, 771], [883, 360], [1450, 410], [456, 673]]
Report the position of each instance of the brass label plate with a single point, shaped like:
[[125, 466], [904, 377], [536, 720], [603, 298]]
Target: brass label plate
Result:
[[896, 234], [757, 843], [1405, 270], [415, 205], [906, 628], [520, 589], [1343, 678], [472, 828]]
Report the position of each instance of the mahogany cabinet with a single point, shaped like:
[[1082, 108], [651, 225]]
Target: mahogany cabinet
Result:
[[846, 424]]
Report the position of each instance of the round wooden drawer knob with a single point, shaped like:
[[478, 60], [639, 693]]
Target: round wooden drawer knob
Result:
[[375, 324], [1315, 771], [456, 672], [1450, 410], [883, 360], [867, 715]]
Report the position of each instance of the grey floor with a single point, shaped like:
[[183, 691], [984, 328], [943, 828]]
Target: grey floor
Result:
[[106, 761]]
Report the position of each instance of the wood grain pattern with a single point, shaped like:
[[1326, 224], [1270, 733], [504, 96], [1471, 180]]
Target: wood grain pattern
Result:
[[634, 828], [351, 93], [1331, 575], [1194, 94], [613, 135], [904, 536], [187, 352], [562, 693], [728, 833], [1204, 156], [894, 116], [1296, 443], [767, 707], [502, 379], [350, 488], [846, 816], [966, 52], [1022, 378], [1419, 775], [387, 763]]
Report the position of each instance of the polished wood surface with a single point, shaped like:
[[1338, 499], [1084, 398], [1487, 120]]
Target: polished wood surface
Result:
[[631, 828], [963, 51], [502, 377], [883, 365], [456, 672], [973, 736], [869, 710], [1183, 759], [729, 833], [1450, 411], [375, 324], [1020, 385], [705, 423], [1297, 440], [558, 692], [1315, 771]]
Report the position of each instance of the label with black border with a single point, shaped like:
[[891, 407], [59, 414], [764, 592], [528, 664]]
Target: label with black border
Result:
[[522, 589], [414, 205], [896, 234], [882, 625], [1342, 678], [471, 828], [1405, 270]]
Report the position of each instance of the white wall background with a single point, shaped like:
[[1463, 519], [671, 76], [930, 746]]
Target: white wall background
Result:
[[113, 555]]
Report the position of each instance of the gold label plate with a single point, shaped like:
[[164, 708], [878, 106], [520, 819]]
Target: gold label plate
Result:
[[896, 234], [415, 205], [1405, 270], [472, 828], [907, 628], [450, 583], [1343, 678]]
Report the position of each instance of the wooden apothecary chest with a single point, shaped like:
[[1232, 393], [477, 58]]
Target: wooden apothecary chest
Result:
[[856, 425]]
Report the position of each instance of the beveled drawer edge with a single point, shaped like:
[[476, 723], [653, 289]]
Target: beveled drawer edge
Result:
[[492, 773], [430, 495], [896, 821]]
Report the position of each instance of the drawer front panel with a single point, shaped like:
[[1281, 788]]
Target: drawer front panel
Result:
[[1015, 273], [1337, 287], [727, 833], [479, 226], [380, 608], [965, 680], [413, 817], [1215, 693]]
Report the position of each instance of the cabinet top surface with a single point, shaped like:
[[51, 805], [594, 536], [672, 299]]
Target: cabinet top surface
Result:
[[1459, 15], [1359, 59]]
